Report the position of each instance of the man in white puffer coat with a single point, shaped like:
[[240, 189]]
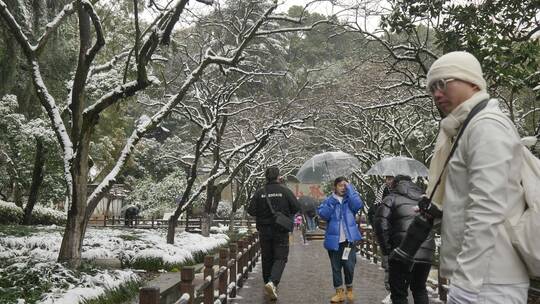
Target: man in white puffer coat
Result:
[[480, 187]]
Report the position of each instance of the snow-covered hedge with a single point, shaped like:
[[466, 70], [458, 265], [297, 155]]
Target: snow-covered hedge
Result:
[[12, 214], [31, 259]]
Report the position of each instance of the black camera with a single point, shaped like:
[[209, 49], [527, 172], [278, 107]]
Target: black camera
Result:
[[417, 233]]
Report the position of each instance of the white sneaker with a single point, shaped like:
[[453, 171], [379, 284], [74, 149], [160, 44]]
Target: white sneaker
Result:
[[387, 300], [271, 291]]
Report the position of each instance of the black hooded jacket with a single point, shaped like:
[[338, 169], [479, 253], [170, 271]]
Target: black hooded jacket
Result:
[[281, 198], [394, 216]]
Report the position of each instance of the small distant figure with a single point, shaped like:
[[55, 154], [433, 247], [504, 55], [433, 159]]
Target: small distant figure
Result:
[[310, 222], [132, 212], [298, 221]]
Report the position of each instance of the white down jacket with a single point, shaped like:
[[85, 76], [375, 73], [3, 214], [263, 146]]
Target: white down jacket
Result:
[[482, 190]]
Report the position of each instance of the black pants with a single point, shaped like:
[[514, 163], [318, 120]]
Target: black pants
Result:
[[274, 251], [402, 279]]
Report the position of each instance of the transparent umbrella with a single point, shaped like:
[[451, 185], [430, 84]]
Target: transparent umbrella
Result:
[[398, 165], [326, 166]]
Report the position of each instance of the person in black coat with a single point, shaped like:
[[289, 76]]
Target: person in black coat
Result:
[[392, 220], [273, 238]]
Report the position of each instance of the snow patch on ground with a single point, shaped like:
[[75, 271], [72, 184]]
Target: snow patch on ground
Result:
[[39, 251]]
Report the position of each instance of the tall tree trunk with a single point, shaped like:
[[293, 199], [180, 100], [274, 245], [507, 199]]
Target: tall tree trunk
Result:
[[78, 214], [37, 179], [71, 248], [206, 222], [206, 219], [171, 230]]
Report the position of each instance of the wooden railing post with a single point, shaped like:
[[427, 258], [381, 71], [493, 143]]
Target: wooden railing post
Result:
[[251, 246], [149, 295], [208, 275], [375, 248], [368, 245], [441, 282], [245, 267], [257, 246], [222, 285], [240, 264], [233, 271], [186, 284]]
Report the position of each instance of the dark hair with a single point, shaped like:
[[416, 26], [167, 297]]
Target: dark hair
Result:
[[339, 180], [271, 173], [399, 178]]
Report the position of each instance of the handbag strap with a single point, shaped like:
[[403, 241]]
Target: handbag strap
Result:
[[268, 200], [479, 107]]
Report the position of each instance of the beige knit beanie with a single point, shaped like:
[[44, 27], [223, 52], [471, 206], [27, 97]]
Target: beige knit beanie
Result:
[[458, 65]]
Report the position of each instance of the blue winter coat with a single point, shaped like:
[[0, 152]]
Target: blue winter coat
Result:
[[332, 211]]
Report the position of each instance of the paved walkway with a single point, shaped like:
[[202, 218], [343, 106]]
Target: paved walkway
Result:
[[308, 279]]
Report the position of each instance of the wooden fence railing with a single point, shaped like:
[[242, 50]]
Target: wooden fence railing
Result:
[[233, 267], [189, 225], [369, 249]]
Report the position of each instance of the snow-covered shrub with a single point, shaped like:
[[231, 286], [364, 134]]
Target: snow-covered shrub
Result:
[[224, 209], [48, 216], [10, 213]]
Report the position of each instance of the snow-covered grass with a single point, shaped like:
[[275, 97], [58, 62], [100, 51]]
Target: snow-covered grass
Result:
[[28, 269]]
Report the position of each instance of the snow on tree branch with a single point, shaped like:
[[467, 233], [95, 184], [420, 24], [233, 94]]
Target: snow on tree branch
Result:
[[100, 39], [17, 32], [51, 27]]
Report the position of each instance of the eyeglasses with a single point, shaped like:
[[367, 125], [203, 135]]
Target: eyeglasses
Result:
[[439, 85]]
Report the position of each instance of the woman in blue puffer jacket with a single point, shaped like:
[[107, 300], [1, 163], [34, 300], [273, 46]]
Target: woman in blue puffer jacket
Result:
[[339, 210]]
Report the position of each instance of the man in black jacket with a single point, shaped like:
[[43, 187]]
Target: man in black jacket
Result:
[[392, 220], [274, 239]]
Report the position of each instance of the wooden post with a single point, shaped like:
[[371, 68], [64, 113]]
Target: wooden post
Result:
[[440, 282], [104, 221], [113, 220], [232, 271], [368, 244], [152, 219], [375, 249], [240, 264], [149, 295], [257, 246], [251, 254], [186, 284], [223, 259], [208, 272]]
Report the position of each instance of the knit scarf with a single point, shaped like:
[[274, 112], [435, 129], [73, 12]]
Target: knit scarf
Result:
[[449, 128]]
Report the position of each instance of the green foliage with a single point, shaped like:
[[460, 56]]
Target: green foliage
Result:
[[129, 237], [17, 152], [117, 295], [17, 230], [22, 282], [498, 33], [157, 197]]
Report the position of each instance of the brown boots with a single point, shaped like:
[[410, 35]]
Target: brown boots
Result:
[[340, 295], [350, 296]]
